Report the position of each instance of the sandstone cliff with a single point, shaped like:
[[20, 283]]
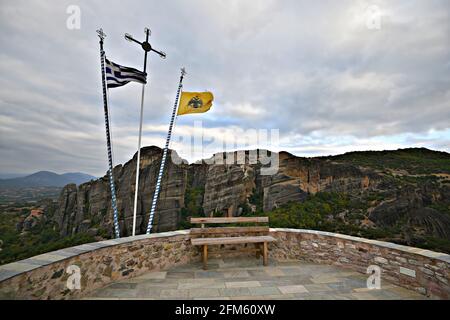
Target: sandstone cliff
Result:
[[88, 207], [234, 189]]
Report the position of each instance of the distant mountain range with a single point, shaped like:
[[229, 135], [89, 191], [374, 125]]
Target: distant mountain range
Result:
[[46, 179]]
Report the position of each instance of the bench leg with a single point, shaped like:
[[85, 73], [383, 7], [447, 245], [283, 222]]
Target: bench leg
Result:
[[205, 257], [265, 254], [258, 250]]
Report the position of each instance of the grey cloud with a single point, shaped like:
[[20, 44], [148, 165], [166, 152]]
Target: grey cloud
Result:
[[311, 69]]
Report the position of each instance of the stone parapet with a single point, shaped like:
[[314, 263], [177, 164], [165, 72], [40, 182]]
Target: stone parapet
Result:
[[417, 269], [46, 276]]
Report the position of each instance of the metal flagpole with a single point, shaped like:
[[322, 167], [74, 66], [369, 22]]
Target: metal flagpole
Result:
[[147, 48], [138, 162], [102, 36], [147, 31], [163, 159]]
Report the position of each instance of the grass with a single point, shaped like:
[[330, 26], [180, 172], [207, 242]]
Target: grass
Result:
[[413, 160]]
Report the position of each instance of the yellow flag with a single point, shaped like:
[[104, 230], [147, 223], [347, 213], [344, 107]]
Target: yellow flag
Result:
[[195, 102]]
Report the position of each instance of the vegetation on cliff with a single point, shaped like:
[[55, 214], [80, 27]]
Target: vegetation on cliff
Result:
[[340, 213], [192, 206], [414, 161], [20, 242]]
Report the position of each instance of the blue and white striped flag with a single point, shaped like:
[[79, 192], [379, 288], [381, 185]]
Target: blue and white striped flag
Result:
[[117, 75]]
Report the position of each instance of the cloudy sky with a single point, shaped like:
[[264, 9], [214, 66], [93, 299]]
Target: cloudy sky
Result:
[[331, 76]]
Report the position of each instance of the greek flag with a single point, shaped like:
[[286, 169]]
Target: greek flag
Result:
[[117, 75]]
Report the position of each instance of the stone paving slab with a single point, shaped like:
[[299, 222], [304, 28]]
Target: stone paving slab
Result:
[[293, 289], [174, 294], [274, 272], [152, 292], [234, 292], [180, 275], [203, 292], [236, 274], [318, 288], [242, 284], [324, 279], [155, 284], [153, 275], [247, 279], [201, 283], [208, 298], [265, 291], [123, 285]]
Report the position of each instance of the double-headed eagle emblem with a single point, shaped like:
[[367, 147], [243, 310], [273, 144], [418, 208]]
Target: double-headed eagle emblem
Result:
[[195, 102]]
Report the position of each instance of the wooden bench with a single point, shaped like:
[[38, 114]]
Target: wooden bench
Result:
[[258, 235]]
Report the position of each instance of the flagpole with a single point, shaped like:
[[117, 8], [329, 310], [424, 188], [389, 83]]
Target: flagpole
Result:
[[147, 33], [147, 48], [163, 159], [101, 35], [138, 163]]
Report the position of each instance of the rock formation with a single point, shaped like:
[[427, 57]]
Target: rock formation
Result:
[[234, 189], [89, 205]]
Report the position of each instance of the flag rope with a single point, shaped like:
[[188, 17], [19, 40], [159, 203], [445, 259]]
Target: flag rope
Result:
[[108, 140], [163, 159], [113, 157]]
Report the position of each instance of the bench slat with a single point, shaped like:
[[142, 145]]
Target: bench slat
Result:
[[226, 230], [230, 220], [222, 252], [231, 240]]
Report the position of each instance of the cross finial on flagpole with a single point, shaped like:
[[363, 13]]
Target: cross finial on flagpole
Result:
[[101, 34], [145, 44]]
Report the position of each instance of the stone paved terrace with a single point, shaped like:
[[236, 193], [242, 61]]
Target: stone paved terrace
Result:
[[245, 278]]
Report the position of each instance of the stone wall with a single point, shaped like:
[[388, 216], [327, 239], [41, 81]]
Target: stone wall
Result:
[[417, 269], [45, 276]]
